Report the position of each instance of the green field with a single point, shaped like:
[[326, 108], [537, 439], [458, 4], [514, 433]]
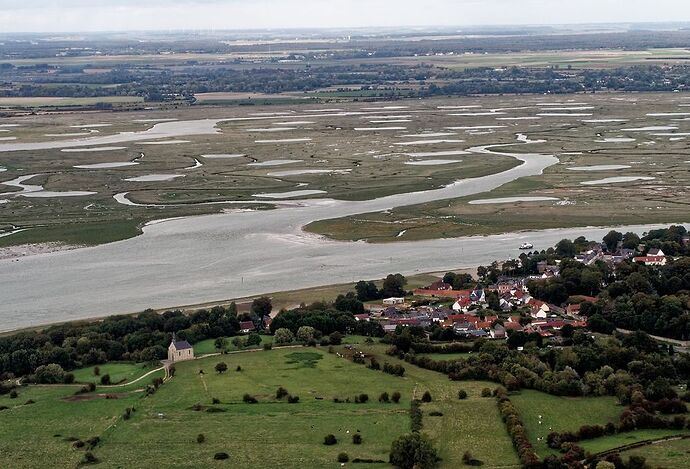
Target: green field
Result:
[[668, 454], [273, 433], [119, 372], [561, 414], [208, 346]]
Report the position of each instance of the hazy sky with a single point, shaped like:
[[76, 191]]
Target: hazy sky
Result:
[[102, 15]]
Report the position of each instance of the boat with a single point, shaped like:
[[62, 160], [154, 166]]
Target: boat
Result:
[[526, 246]]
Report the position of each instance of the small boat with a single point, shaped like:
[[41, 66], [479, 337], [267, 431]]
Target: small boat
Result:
[[526, 246]]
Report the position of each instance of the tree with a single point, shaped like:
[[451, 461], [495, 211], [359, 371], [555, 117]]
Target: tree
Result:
[[221, 367], [253, 339], [343, 457], [393, 286], [283, 336], [367, 291], [413, 450], [426, 397], [357, 439], [565, 248], [262, 306], [105, 379], [612, 239], [305, 334], [395, 397], [200, 438], [336, 338], [239, 342], [330, 440], [462, 394], [220, 343], [49, 374]]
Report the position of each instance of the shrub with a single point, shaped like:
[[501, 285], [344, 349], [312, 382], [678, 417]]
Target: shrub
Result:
[[249, 399], [283, 336], [413, 451], [329, 440], [221, 456], [415, 416], [363, 398], [486, 392], [324, 342], [215, 410], [238, 369], [13, 394], [200, 438], [395, 397], [221, 367], [215, 400], [96, 371], [343, 457], [462, 394], [436, 413], [426, 397], [105, 379], [357, 439], [89, 458], [281, 393], [336, 338], [384, 397], [293, 399]]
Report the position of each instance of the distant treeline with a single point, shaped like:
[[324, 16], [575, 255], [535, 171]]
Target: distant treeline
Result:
[[183, 82]]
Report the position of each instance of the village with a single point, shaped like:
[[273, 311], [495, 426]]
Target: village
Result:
[[500, 308]]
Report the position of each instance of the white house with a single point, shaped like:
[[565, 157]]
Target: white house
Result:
[[393, 301]]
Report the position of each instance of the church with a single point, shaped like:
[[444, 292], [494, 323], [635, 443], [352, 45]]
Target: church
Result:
[[180, 350]]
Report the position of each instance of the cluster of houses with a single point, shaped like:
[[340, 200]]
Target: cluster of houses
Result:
[[467, 315]]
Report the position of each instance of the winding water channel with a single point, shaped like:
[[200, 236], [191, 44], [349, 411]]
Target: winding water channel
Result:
[[215, 257]]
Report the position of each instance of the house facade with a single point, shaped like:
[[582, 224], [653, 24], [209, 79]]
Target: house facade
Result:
[[180, 350]]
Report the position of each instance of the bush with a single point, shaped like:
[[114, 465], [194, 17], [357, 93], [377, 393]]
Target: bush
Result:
[[281, 393], [215, 400], [283, 336], [357, 439], [384, 397], [293, 399], [343, 457], [29, 402], [330, 440], [336, 338], [436, 413], [486, 392], [221, 456], [96, 371], [13, 394], [363, 398], [249, 399], [221, 367], [395, 397], [413, 451], [238, 369], [462, 394], [105, 379], [200, 438], [89, 458], [415, 416], [426, 397]]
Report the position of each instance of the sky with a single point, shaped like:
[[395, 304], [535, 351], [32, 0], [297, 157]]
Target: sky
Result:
[[123, 15]]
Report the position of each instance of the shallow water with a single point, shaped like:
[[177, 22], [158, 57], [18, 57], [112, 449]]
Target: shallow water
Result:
[[600, 167], [508, 200], [274, 162], [155, 177], [617, 179], [289, 194], [213, 257], [107, 165], [432, 162]]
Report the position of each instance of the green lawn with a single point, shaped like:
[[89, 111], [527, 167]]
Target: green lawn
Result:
[[446, 356], [561, 414], [621, 439], [119, 372], [669, 454], [271, 433], [208, 346]]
